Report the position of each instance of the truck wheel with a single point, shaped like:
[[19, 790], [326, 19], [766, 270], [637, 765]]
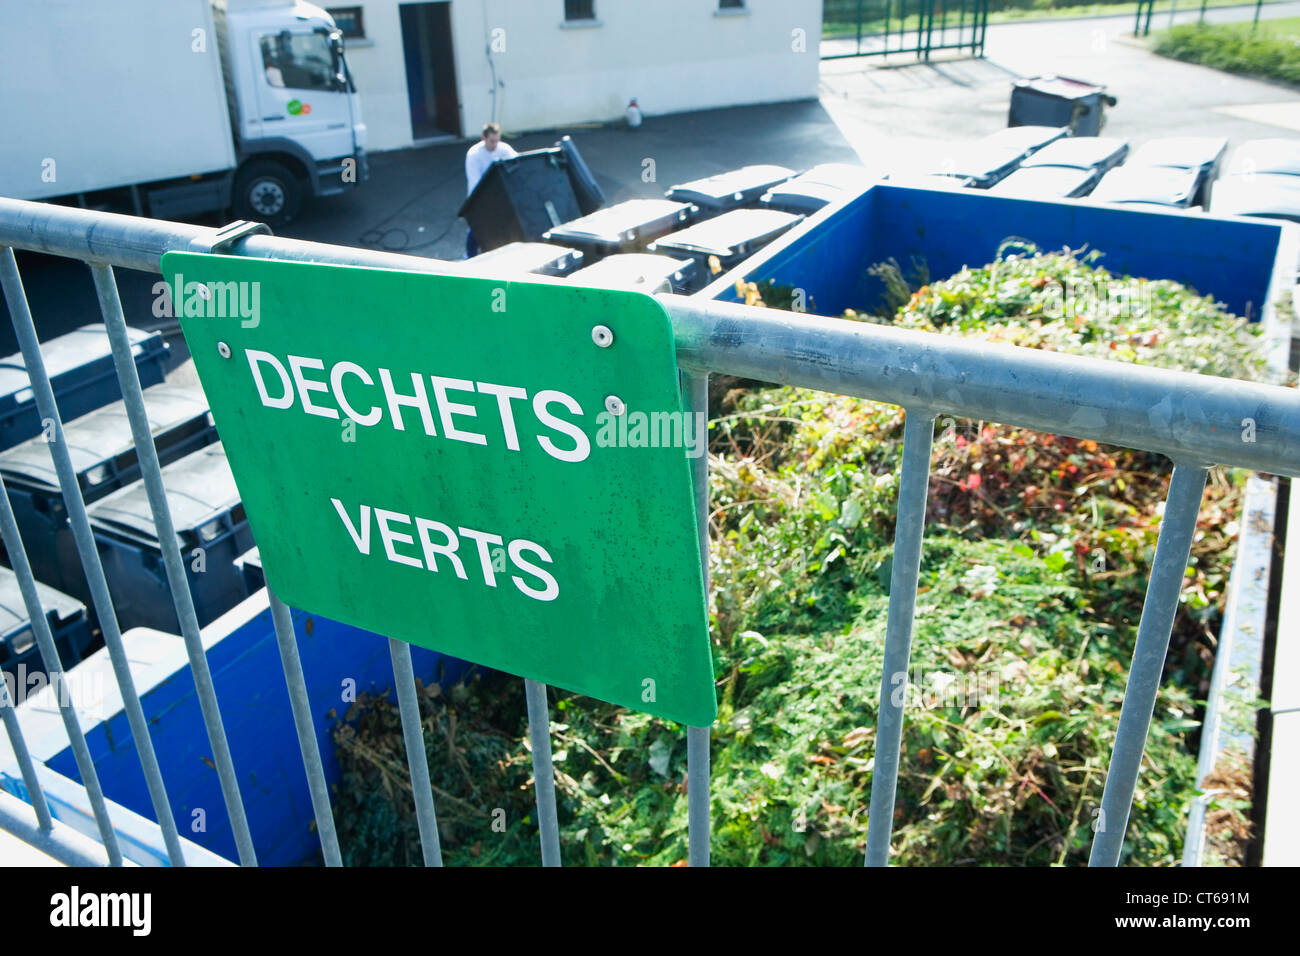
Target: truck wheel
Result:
[[265, 191]]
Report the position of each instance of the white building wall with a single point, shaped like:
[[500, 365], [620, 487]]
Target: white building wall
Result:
[[672, 55]]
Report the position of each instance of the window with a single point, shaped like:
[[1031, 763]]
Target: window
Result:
[[298, 61], [349, 21], [579, 10]]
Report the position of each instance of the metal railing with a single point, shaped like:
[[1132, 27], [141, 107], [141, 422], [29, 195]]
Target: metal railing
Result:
[[881, 27], [1145, 8], [1194, 420]]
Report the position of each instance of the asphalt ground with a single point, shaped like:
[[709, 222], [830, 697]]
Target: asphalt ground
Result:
[[411, 200]]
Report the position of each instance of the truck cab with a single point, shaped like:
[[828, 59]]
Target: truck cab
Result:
[[294, 109]]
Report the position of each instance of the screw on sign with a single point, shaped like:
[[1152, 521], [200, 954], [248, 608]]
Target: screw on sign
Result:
[[477, 514]]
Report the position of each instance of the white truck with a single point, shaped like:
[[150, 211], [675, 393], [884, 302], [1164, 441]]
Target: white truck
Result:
[[172, 108]]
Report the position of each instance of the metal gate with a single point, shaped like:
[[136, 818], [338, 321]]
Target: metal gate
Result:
[[881, 27]]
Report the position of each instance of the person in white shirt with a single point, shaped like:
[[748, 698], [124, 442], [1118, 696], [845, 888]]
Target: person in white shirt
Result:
[[478, 158]]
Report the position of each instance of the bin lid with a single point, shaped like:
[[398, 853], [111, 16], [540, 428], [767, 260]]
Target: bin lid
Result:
[[1063, 86], [1266, 156], [638, 271], [840, 175], [622, 222], [974, 160], [928, 181], [13, 612], [1257, 196], [1080, 152], [523, 258], [251, 558], [103, 435], [83, 345], [1183, 152], [1044, 182], [200, 489], [1159, 185], [824, 184], [807, 197], [1027, 139], [712, 189], [720, 235]]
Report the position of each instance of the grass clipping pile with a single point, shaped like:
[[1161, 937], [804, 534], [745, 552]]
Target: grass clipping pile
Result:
[[1032, 576]]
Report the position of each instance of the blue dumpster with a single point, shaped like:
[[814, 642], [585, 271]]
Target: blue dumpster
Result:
[[80, 367], [443, 668], [211, 530], [69, 625], [103, 456]]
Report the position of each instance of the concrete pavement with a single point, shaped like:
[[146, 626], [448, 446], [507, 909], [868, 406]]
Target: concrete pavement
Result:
[[897, 111]]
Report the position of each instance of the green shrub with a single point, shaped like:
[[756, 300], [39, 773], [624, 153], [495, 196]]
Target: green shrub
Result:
[[1235, 48]]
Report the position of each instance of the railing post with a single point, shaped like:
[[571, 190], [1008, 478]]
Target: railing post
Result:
[[918, 435], [417, 761], [83, 537], [1173, 547], [299, 704], [695, 390], [110, 306], [539, 736]]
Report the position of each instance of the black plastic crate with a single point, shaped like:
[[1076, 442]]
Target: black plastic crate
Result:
[[1027, 139], [979, 164], [1102, 153], [80, 368], [730, 190], [639, 272], [819, 187], [1204, 154], [625, 227], [525, 258], [1048, 182], [731, 237], [104, 458], [1149, 185], [211, 530], [69, 625]]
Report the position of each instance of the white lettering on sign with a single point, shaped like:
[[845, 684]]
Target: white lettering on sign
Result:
[[307, 383], [438, 540]]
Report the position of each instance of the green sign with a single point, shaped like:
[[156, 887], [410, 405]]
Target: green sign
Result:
[[496, 470]]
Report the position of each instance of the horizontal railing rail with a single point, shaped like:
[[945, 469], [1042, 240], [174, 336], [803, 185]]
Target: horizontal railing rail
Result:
[[1195, 420]]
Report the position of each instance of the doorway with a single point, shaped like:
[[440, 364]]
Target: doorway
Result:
[[430, 70]]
